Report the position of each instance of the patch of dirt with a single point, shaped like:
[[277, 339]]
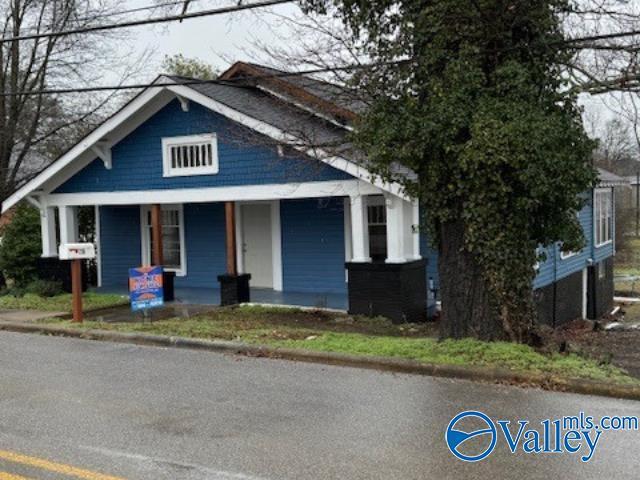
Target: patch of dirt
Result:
[[123, 313], [618, 347], [320, 320]]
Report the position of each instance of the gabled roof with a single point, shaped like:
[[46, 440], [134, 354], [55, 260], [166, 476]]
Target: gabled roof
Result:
[[328, 98], [262, 106], [608, 179], [249, 106]]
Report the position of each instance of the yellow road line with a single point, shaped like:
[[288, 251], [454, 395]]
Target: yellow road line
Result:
[[52, 467], [11, 476]]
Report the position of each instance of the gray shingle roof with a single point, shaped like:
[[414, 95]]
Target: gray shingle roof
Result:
[[251, 101], [330, 92], [608, 179]]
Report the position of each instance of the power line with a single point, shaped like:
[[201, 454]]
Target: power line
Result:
[[149, 21], [119, 13], [141, 86], [137, 9]]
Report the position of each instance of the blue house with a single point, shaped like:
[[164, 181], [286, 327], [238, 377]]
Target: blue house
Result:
[[252, 175]]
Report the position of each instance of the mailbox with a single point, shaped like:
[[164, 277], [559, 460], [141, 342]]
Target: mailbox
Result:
[[77, 251]]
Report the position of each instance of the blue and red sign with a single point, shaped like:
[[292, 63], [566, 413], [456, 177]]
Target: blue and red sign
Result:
[[145, 288]]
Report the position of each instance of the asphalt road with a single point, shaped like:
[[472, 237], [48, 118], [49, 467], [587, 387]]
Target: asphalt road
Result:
[[78, 409]]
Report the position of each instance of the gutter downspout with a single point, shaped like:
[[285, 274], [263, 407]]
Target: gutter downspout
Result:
[[591, 279], [555, 285]]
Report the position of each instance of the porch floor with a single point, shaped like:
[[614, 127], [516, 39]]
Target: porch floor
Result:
[[211, 296]]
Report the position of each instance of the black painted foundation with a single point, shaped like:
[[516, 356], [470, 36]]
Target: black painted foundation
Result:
[[234, 289], [168, 288], [560, 302], [600, 289], [54, 269], [397, 291]]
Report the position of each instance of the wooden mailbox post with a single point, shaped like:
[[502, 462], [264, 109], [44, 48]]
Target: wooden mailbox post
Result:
[[76, 253]]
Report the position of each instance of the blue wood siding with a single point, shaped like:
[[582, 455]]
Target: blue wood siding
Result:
[[204, 245], [120, 243], [244, 158], [313, 253], [431, 255], [312, 245], [554, 267]]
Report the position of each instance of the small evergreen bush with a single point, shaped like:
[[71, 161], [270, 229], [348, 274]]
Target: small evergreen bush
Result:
[[44, 288], [20, 247]]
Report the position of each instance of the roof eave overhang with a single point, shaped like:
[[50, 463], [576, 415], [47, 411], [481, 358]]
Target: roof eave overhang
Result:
[[35, 186]]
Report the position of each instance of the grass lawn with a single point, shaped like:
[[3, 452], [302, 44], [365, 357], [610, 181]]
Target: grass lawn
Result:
[[329, 332], [627, 259], [60, 303], [627, 263]]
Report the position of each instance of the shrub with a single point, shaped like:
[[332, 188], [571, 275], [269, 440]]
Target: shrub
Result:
[[12, 291], [20, 247], [44, 288]]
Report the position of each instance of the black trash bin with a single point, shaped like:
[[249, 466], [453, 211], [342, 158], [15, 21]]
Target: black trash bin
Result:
[[168, 279]]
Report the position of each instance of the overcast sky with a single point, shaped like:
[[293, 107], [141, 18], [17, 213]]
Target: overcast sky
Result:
[[212, 39], [222, 39]]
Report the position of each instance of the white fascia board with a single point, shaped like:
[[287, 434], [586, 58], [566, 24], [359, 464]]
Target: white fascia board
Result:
[[61, 169], [115, 136], [340, 188], [82, 147], [275, 133]]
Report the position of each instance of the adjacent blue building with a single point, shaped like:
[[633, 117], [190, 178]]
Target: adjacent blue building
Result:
[[309, 223]]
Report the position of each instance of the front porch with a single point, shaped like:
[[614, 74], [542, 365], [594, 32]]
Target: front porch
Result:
[[343, 245], [211, 296]]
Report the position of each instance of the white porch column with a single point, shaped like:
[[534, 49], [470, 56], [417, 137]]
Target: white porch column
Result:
[[396, 235], [359, 229], [403, 241], [48, 230], [68, 224], [413, 233]]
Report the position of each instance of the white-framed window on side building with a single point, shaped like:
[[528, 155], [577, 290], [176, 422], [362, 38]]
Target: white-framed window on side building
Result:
[[603, 216], [173, 243]]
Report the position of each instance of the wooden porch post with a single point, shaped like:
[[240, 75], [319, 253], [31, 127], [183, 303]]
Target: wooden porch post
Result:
[[156, 227], [230, 216]]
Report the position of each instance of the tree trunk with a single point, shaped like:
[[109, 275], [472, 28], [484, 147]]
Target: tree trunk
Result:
[[466, 309]]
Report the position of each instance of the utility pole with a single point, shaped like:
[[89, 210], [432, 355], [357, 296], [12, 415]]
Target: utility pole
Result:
[[638, 203]]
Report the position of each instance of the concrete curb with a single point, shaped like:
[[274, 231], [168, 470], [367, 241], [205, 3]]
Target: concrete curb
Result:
[[493, 375]]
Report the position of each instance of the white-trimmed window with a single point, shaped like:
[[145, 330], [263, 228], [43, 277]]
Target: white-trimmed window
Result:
[[603, 216], [377, 224], [569, 254], [539, 251], [173, 248], [565, 255], [190, 155]]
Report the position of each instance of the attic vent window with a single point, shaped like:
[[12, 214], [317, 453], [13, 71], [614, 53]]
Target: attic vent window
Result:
[[191, 155]]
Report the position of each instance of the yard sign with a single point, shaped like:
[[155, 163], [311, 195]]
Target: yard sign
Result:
[[145, 288]]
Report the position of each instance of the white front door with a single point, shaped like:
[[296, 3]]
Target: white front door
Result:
[[257, 243]]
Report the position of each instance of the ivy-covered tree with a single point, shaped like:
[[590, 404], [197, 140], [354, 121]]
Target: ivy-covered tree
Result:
[[470, 95]]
